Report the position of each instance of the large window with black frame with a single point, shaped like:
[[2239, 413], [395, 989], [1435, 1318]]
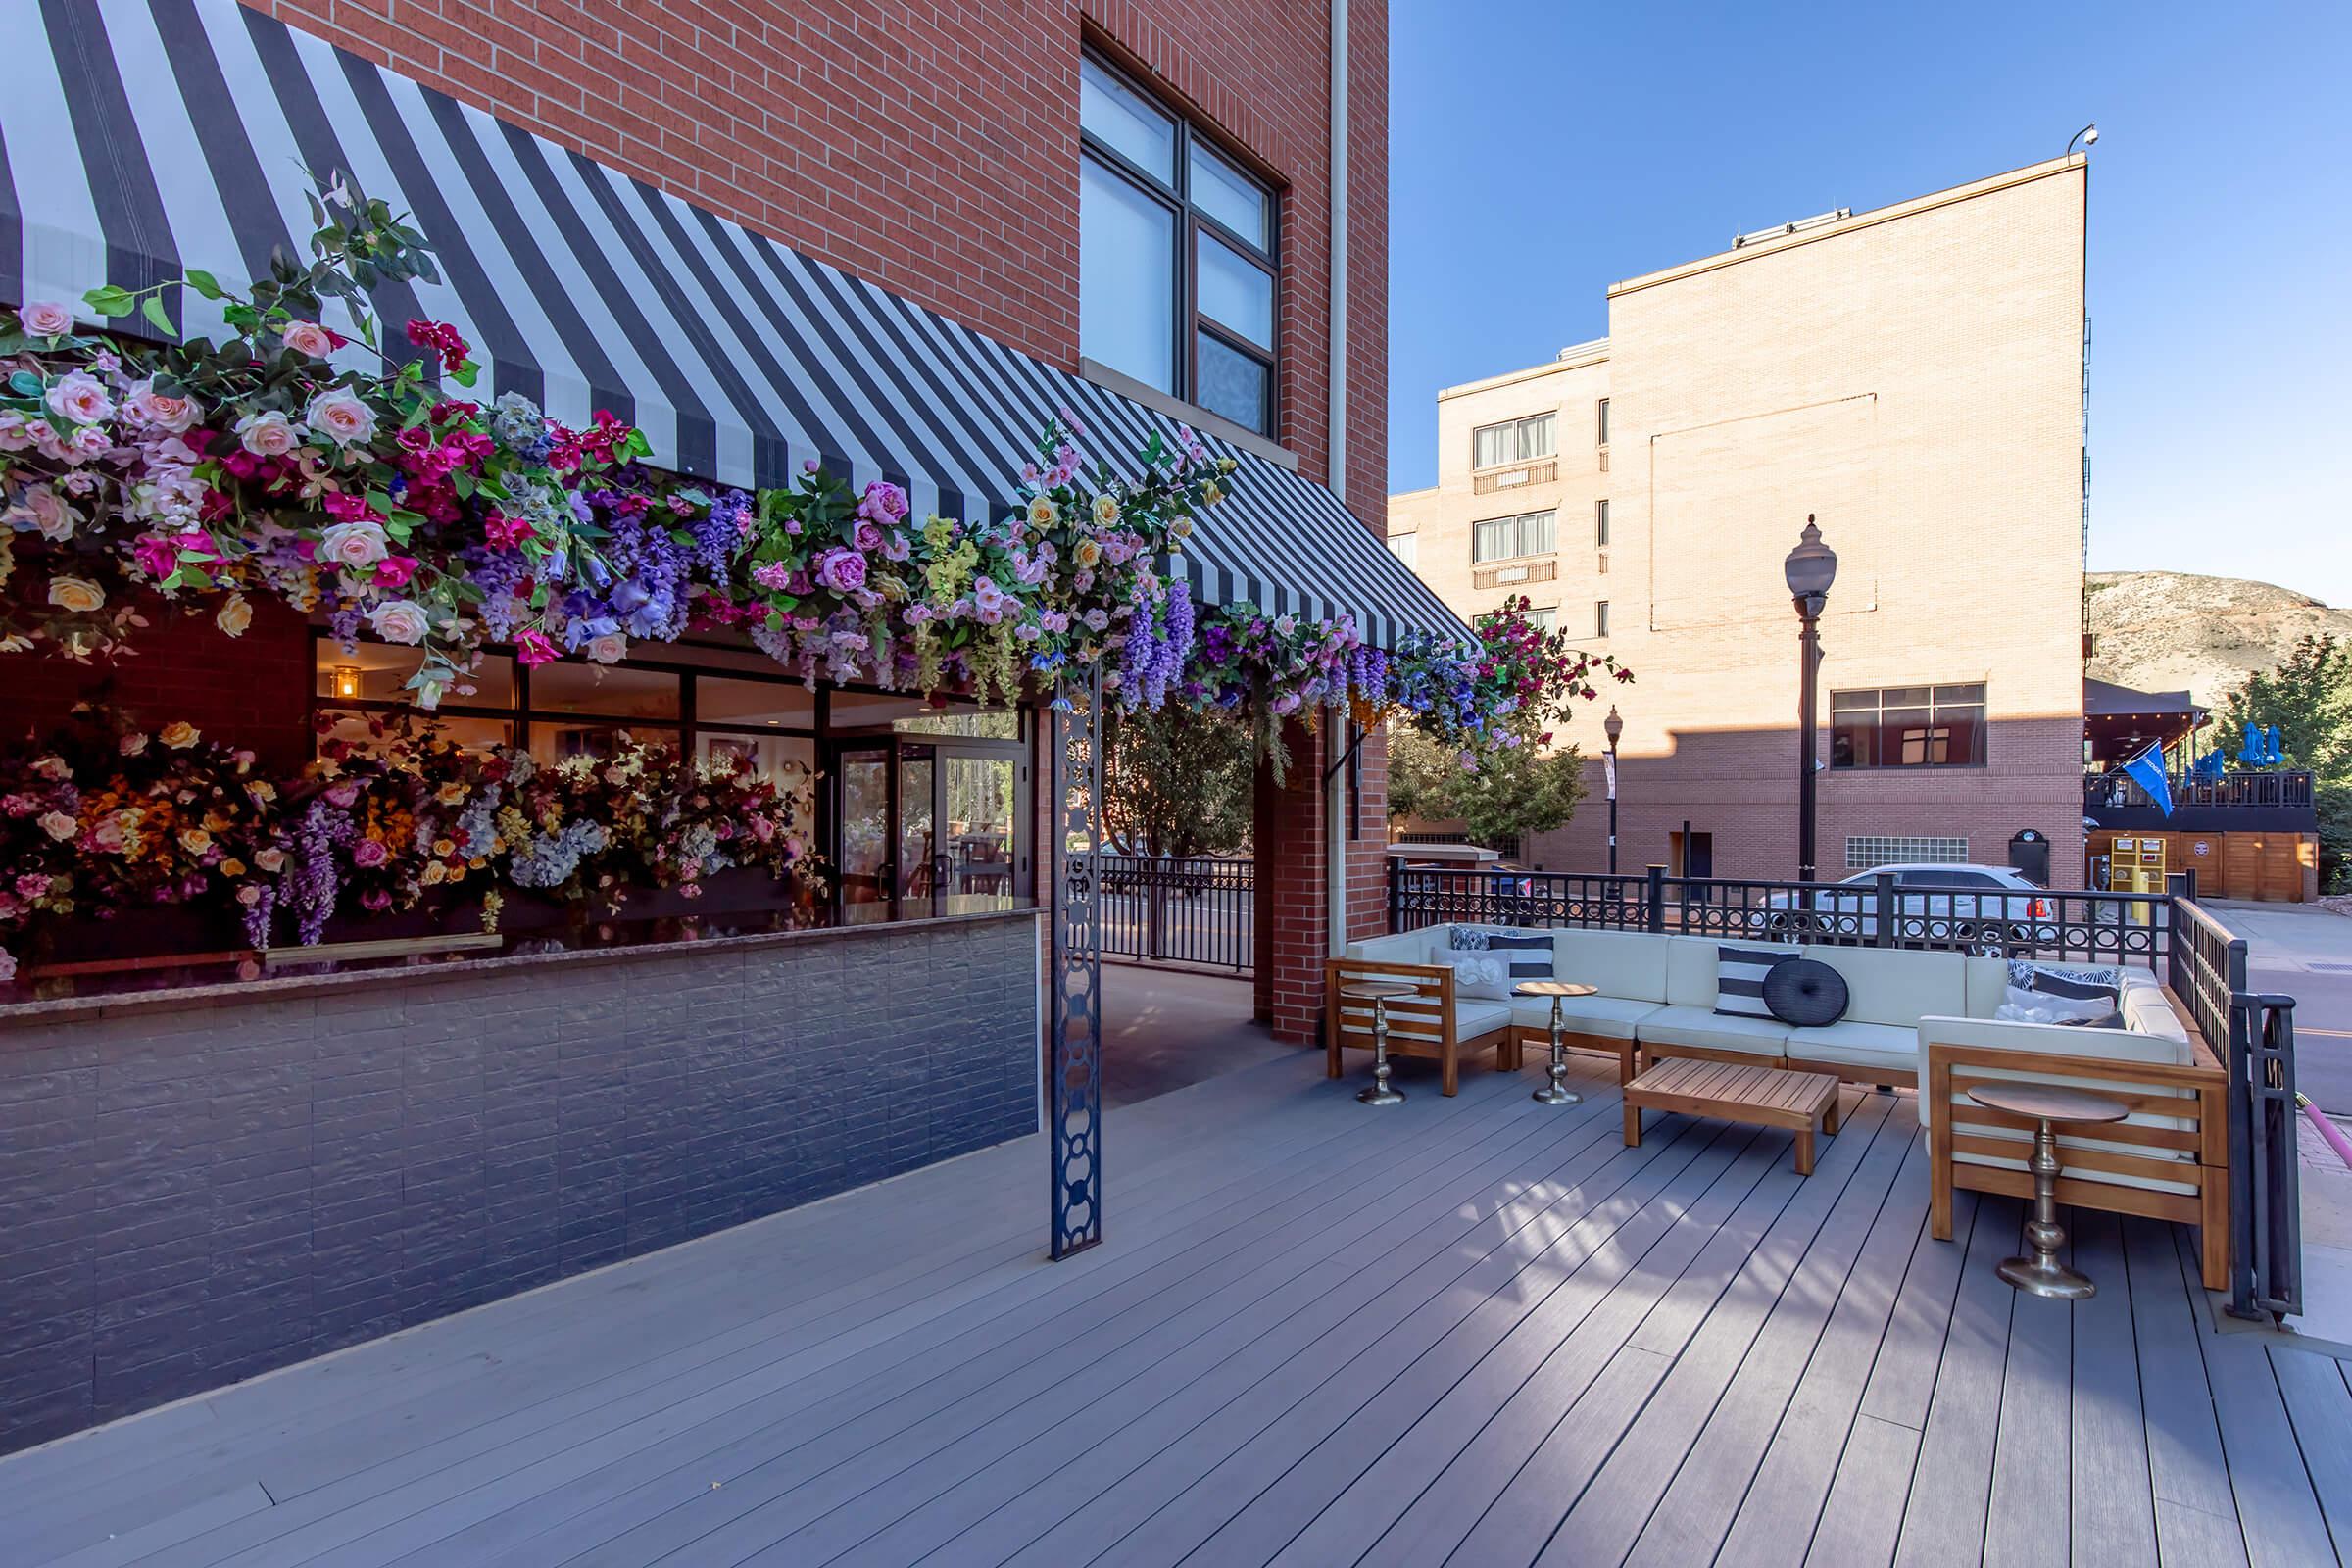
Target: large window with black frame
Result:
[[918, 806], [1177, 254], [1908, 726]]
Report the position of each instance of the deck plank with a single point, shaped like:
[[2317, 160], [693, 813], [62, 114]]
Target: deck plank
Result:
[[2319, 1406], [1943, 1521], [2029, 1515], [2113, 1505]]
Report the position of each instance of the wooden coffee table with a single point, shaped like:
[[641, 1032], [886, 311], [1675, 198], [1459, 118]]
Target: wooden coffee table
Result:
[[1756, 1097]]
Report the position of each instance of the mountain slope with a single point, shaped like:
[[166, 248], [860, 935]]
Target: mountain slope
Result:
[[2164, 630]]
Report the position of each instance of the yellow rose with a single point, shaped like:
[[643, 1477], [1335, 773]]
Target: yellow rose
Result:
[[450, 794], [1106, 511], [444, 847], [1088, 555], [1226, 465], [1042, 513], [434, 872], [77, 595], [1212, 492], [179, 735], [234, 617], [195, 840], [232, 866]]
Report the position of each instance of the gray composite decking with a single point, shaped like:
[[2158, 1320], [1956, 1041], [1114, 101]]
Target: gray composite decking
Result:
[[1476, 1331]]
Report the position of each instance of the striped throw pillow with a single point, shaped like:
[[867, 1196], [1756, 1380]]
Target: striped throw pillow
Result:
[[1521, 955], [1740, 980]]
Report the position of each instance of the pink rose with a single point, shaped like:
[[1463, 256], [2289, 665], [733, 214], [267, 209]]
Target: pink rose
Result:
[[867, 537], [31, 885], [79, 397], [341, 416], [342, 794], [882, 502], [268, 434], [609, 649], [369, 854], [309, 337], [355, 545], [144, 405], [399, 620], [46, 318], [841, 569]]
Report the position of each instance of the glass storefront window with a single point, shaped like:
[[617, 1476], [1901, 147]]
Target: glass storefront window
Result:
[[986, 724], [788, 705], [374, 673], [613, 691], [555, 741], [473, 734]]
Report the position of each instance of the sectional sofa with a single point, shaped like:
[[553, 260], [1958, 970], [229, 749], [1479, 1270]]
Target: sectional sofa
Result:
[[1913, 1018]]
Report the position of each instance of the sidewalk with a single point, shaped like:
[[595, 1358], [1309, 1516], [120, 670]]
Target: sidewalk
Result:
[[1164, 1029]]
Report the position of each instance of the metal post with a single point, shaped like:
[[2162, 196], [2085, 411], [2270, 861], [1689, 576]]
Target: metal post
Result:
[[1612, 806], [1655, 915], [1074, 1080], [1884, 883], [1808, 661]]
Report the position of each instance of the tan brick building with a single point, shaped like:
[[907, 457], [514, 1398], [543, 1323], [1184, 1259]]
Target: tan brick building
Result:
[[1914, 377]]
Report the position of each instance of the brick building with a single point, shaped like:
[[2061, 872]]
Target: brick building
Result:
[[1913, 377], [891, 240]]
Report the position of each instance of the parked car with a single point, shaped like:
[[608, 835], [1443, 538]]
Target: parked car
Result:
[[1988, 909]]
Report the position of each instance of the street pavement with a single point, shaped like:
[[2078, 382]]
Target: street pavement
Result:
[[2304, 952]]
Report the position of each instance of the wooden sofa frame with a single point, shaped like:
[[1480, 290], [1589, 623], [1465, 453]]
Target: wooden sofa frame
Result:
[[1651, 1051], [2142, 1086], [1420, 1026]]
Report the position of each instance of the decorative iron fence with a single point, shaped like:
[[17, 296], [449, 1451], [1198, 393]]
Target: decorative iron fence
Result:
[[1180, 909], [2255, 1034], [2075, 925], [2285, 791]]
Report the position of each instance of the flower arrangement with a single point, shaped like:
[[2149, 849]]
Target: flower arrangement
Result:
[[110, 818]]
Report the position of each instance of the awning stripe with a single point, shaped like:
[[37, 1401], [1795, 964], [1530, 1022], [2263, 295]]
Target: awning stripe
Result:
[[146, 136]]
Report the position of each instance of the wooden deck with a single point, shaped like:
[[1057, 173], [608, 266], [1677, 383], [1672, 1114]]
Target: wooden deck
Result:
[[1476, 1331]]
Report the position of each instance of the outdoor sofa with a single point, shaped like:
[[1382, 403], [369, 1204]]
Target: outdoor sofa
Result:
[[1910, 1017]]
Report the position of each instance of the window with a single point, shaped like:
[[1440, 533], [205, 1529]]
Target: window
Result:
[[1545, 620], [1601, 525], [1601, 617], [1176, 255], [1908, 726], [1502, 538], [1866, 851], [1512, 441], [1601, 424], [1405, 547]]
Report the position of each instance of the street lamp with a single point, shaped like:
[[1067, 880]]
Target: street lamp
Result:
[[2088, 137], [1810, 570], [1612, 726]]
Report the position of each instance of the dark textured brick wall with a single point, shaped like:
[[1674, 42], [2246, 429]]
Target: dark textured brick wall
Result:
[[192, 1196]]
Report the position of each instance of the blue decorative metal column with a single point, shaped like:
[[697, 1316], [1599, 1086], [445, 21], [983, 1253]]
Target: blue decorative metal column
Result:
[[1074, 1074]]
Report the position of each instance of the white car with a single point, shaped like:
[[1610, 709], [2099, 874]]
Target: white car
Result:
[[1988, 909]]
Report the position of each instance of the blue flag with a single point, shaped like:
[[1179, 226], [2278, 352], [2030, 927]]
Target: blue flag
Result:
[[2271, 752], [2147, 771], [2250, 753]]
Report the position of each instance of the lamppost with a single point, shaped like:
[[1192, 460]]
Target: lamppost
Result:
[[1810, 570], [1612, 726]]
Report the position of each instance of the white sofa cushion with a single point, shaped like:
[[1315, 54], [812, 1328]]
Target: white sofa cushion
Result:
[[1984, 986], [1608, 1017], [1401, 947], [1474, 1018], [1691, 963], [1849, 1042], [1897, 985], [1704, 1027], [2065, 1040], [1624, 964]]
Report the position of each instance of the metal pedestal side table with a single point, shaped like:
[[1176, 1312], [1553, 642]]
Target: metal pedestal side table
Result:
[[2051, 1105], [1556, 1092], [1379, 992]]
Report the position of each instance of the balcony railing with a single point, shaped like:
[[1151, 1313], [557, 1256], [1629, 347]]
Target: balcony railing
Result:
[[2287, 791]]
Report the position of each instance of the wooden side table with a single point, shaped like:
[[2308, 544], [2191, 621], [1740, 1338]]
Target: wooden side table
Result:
[[2051, 1105], [1556, 1092], [1380, 993]]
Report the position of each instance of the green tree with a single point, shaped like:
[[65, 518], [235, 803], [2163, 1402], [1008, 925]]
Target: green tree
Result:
[[1180, 783], [2309, 698], [1513, 793]]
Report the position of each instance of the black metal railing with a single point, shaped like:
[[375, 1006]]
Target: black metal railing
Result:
[[1195, 909], [2254, 1032], [2071, 925], [2283, 791]]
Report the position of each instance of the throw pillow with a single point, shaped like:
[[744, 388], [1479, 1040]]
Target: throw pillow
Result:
[[1521, 955], [2048, 993], [1806, 992], [1478, 975], [1740, 980]]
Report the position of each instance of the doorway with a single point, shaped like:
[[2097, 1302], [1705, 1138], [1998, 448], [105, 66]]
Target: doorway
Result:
[[1692, 853], [926, 826]]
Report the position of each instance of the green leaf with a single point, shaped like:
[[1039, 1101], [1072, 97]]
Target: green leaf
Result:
[[24, 384], [157, 317], [462, 484], [206, 284], [110, 300], [466, 374]]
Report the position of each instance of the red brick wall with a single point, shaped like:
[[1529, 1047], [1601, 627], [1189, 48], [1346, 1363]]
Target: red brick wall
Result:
[[249, 691], [932, 146], [1293, 936]]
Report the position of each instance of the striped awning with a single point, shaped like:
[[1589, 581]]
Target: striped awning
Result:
[[142, 139]]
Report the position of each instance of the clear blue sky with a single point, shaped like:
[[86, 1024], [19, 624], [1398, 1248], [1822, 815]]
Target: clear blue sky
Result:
[[1590, 143]]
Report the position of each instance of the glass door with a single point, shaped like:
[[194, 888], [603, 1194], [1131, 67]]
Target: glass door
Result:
[[868, 877], [929, 829], [979, 804]]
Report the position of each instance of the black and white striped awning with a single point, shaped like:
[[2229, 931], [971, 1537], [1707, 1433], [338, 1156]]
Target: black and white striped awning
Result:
[[145, 137]]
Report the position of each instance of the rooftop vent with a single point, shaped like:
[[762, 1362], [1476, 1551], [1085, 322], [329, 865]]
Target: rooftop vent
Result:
[[1816, 220]]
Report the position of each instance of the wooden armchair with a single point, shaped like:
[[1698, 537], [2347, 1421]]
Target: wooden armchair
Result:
[[2170, 1163], [1426, 1026]]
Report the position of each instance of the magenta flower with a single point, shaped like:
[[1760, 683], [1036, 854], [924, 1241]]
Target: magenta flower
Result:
[[883, 502], [841, 569]]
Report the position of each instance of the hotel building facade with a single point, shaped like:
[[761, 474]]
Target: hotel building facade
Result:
[[1914, 379]]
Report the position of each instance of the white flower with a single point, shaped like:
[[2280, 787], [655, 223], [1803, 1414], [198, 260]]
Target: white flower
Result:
[[234, 617], [77, 595], [309, 337], [1284, 625], [80, 397], [58, 825], [341, 416], [1106, 511], [355, 546], [399, 620], [609, 649], [47, 319], [268, 434], [131, 745], [144, 405]]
